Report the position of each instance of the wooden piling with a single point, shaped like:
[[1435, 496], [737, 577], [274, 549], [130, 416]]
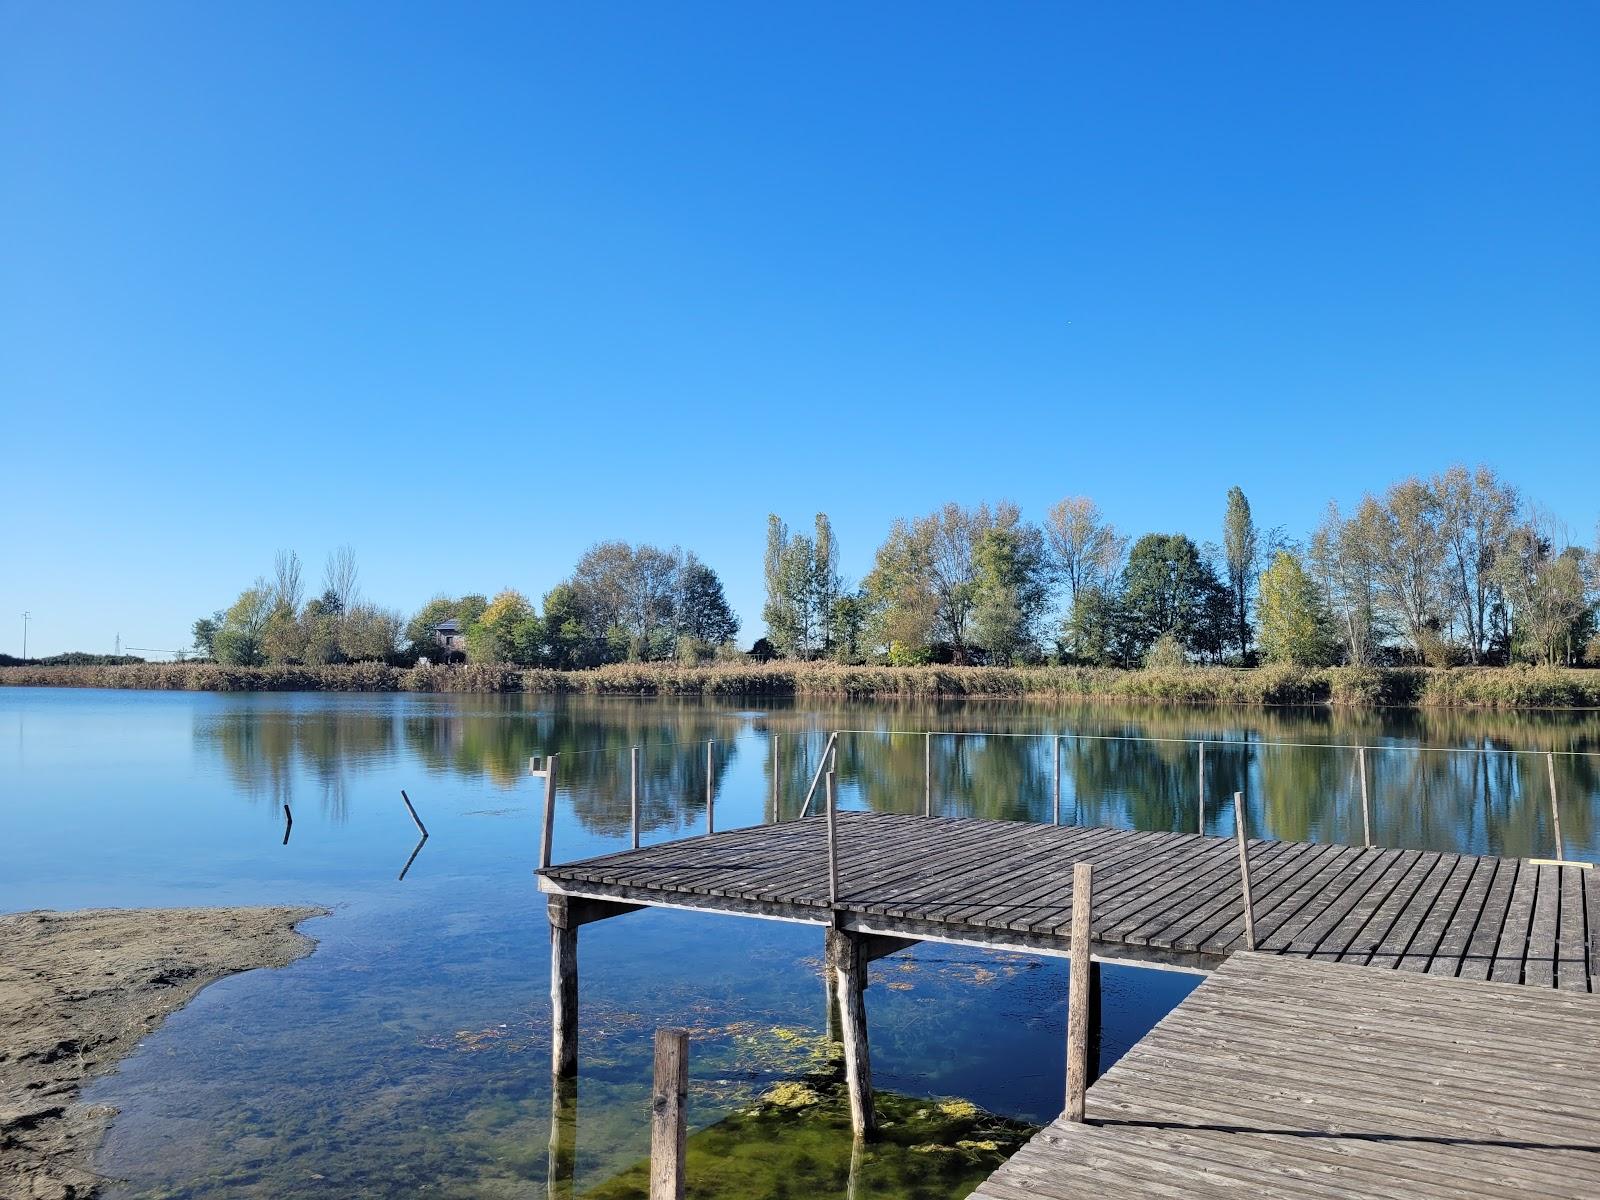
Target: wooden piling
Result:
[[711, 792], [668, 1114], [633, 794], [1080, 986], [1244, 871], [831, 803], [1202, 790], [844, 952], [563, 990], [1366, 809], [421, 828], [1555, 807], [548, 830]]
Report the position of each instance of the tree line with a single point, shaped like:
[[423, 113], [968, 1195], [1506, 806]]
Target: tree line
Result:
[[1459, 567], [1456, 568], [621, 603]]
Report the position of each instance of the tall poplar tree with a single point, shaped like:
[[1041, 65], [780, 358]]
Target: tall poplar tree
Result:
[[1241, 548]]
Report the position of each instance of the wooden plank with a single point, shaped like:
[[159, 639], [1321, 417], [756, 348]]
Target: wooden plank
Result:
[[1177, 909], [1456, 932], [1189, 926], [1539, 960], [1331, 932], [1512, 948], [1396, 941], [1288, 1077], [1478, 959], [1572, 964], [1361, 933]]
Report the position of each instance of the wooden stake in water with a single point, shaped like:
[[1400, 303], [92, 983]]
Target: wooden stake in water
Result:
[[1078, 986], [668, 1115], [633, 794], [421, 828], [1202, 779], [1244, 872], [1555, 807], [711, 792], [1366, 810]]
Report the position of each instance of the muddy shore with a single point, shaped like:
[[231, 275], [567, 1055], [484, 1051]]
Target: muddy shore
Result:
[[78, 991]]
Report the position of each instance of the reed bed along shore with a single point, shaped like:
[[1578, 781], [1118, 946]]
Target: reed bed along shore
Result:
[[1407, 687]]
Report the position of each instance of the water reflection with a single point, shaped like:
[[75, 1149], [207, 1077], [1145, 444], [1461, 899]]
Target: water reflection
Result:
[[410, 1053], [1119, 765]]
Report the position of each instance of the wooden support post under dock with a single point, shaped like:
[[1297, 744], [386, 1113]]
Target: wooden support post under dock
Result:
[[562, 1170], [566, 914], [563, 997], [846, 954], [668, 1117]]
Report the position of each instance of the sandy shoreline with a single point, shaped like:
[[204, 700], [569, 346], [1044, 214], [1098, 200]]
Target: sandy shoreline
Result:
[[78, 991]]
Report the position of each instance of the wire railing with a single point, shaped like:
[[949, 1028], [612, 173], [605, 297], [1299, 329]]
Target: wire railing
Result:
[[825, 772]]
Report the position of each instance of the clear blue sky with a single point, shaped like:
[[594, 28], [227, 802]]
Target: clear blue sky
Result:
[[472, 286]]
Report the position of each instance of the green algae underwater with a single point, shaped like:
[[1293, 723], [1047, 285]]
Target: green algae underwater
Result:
[[796, 1143]]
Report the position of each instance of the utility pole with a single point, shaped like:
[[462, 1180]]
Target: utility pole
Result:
[[25, 617]]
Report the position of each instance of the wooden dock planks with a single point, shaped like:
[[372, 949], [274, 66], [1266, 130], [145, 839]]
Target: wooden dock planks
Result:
[[1301, 1078], [1171, 897]]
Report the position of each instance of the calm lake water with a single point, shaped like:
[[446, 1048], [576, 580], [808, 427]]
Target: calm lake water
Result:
[[410, 1053]]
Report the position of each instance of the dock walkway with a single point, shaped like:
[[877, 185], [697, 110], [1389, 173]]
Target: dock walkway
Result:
[[1301, 1079], [1172, 899]]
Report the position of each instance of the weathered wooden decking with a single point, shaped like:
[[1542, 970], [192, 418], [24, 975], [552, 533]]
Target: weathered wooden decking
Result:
[[1302, 1079], [1163, 898]]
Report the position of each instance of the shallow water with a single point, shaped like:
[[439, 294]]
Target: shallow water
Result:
[[410, 1052]]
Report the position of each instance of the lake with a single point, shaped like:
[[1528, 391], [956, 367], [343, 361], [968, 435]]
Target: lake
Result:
[[410, 1053]]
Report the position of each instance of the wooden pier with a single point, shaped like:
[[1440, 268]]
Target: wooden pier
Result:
[[1283, 1077], [1162, 899]]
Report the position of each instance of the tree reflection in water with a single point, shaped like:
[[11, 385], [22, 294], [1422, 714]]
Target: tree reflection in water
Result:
[[1124, 766]]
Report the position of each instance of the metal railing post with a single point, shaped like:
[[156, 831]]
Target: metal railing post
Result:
[[1055, 794], [1366, 808], [1555, 807], [1244, 872], [816, 778], [833, 842], [633, 794]]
